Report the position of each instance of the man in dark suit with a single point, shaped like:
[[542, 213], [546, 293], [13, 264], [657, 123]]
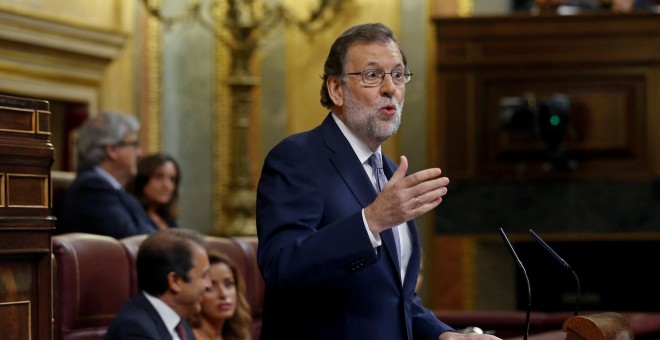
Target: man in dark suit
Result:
[[96, 201], [338, 246], [172, 269]]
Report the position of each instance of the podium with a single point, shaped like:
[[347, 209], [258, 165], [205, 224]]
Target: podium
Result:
[[602, 326], [26, 224]]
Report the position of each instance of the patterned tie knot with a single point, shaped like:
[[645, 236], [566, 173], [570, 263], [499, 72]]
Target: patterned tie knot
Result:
[[375, 161]]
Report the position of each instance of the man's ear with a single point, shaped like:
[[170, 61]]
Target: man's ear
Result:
[[110, 151], [335, 90], [174, 281]]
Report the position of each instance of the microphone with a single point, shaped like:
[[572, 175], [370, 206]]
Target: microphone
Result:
[[563, 264], [529, 290]]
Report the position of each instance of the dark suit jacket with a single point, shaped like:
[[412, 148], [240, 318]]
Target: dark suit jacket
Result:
[[92, 205], [138, 319], [323, 278]]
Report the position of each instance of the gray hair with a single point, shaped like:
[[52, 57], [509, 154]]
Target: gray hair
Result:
[[106, 128]]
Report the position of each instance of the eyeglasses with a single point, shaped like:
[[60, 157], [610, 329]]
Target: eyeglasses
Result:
[[376, 76], [133, 143]]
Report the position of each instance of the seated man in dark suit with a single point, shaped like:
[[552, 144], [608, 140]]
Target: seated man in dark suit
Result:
[[173, 273], [96, 201]]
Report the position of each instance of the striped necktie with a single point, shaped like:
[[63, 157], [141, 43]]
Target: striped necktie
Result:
[[376, 163]]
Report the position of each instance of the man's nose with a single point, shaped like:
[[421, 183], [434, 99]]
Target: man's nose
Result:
[[387, 87]]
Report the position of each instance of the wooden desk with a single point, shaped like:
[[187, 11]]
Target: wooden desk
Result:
[[26, 155]]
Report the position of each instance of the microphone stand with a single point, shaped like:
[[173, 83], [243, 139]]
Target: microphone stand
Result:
[[529, 288], [577, 297], [563, 264]]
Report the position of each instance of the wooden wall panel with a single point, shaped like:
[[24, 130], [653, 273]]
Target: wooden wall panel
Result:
[[26, 154], [606, 64], [609, 67], [606, 125]]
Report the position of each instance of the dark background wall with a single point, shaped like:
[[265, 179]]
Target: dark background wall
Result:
[[551, 123]]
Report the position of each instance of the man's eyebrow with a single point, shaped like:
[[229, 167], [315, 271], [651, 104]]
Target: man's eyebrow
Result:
[[374, 64]]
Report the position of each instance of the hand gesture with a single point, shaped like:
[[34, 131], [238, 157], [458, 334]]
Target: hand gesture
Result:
[[405, 197]]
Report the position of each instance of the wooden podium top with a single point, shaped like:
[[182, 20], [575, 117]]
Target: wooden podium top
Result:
[[24, 118], [602, 326]]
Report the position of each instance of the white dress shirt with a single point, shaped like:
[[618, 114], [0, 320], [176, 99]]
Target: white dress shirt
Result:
[[363, 153], [169, 316]]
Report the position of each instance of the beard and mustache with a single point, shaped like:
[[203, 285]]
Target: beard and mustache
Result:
[[368, 122]]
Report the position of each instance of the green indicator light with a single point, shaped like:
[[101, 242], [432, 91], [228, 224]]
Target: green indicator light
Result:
[[554, 120]]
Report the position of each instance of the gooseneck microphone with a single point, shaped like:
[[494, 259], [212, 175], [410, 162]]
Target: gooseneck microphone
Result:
[[563, 264], [529, 289]]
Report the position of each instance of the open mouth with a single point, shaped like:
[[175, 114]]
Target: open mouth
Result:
[[388, 109]]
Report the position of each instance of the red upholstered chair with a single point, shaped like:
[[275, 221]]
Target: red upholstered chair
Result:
[[255, 283], [95, 275], [243, 252], [91, 281], [132, 245]]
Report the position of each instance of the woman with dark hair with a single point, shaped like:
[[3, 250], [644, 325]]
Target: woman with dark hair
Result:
[[156, 186], [225, 311]]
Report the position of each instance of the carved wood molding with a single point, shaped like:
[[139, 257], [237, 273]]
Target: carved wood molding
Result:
[[64, 38], [41, 57]]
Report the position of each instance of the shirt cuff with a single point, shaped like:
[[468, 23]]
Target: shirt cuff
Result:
[[375, 239]]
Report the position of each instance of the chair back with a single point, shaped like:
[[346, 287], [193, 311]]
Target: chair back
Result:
[[91, 283]]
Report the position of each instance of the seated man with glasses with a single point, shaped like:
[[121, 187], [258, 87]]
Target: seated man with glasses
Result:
[[96, 202]]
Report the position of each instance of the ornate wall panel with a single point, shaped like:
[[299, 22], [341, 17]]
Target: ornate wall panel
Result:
[[26, 155], [605, 64]]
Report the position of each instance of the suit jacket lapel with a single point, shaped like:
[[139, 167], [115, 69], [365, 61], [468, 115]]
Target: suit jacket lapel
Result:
[[153, 313], [346, 162], [352, 171], [413, 264]]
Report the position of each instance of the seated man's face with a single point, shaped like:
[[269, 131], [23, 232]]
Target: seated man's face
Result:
[[189, 297], [124, 157]]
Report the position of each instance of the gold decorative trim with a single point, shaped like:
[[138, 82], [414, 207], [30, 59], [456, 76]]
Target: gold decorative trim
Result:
[[47, 115], [465, 8], [15, 303], [221, 135], [2, 190], [154, 86]]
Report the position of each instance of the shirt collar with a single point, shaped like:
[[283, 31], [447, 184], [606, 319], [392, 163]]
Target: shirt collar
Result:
[[108, 177], [362, 151], [169, 316]]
